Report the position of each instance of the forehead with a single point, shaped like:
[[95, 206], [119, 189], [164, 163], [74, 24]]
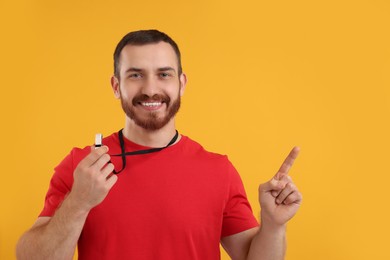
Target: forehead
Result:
[[149, 56]]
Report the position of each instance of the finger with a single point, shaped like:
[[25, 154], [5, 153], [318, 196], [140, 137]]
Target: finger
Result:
[[288, 162], [286, 192], [107, 170], [282, 182], [294, 198], [111, 181], [270, 186], [101, 161], [92, 157]]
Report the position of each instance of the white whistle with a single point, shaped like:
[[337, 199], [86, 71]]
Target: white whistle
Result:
[[98, 140]]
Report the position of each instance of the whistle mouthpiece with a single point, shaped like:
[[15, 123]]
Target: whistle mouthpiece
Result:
[[98, 140]]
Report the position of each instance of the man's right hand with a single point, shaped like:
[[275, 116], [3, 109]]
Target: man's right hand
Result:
[[93, 179]]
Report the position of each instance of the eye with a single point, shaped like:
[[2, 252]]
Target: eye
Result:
[[135, 75], [165, 75]]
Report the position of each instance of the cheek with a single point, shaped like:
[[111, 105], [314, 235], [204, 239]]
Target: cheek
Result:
[[125, 93], [127, 97]]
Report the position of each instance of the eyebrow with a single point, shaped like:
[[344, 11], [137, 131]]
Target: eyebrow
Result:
[[134, 69], [166, 69]]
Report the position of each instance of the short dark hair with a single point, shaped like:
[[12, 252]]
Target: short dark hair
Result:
[[144, 37]]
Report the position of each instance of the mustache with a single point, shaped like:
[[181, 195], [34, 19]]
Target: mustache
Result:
[[155, 98]]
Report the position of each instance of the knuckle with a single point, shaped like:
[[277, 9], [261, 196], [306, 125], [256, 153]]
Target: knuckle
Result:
[[291, 185], [114, 177], [102, 149], [106, 157], [286, 178], [108, 169], [281, 184], [289, 200], [261, 187], [98, 152], [110, 166]]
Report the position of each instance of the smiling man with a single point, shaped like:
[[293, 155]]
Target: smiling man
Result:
[[150, 192]]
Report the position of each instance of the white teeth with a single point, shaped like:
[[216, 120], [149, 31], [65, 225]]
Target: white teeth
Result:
[[151, 104]]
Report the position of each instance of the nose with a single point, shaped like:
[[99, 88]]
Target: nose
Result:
[[150, 87]]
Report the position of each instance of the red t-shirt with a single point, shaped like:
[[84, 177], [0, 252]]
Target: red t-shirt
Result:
[[172, 204]]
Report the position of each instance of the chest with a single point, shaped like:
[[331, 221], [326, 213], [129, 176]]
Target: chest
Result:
[[186, 197]]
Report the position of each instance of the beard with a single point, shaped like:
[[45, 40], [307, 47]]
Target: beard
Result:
[[152, 121]]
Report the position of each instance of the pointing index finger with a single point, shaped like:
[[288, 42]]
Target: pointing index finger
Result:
[[288, 163]]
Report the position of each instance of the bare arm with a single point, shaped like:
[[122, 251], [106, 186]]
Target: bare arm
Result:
[[56, 237], [53, 238], [256, 243], [268, 244]]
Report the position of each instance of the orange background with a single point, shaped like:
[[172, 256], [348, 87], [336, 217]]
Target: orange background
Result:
[[263, 76]]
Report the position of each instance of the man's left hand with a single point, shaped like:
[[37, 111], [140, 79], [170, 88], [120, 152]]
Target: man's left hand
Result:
[[279, 198]]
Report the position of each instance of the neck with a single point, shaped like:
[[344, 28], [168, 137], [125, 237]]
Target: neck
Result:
[[156, 138]]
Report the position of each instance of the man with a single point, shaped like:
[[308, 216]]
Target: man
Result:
[[175, 202]]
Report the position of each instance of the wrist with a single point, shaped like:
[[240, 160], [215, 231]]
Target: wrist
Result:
[[272, 228], [74, 205], [267, 224]]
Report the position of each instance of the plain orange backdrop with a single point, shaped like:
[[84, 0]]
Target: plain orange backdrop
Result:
[[263, 76]]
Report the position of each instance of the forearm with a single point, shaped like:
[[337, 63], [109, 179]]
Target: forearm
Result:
[[55, 239], [268, 244]]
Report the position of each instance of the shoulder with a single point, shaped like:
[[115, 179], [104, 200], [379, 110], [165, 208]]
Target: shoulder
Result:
[[195, 148], [196, 153]]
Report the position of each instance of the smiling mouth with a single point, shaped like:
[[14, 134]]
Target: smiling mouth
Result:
[[151, 104]]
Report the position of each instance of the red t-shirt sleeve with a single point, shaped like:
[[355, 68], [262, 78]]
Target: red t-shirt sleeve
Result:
[[238, 215], [62, 181]]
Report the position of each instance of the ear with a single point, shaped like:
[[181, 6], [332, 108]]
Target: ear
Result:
[[183, 83], [115, 86]]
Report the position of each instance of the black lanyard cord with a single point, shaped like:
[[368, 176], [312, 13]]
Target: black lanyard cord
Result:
[[123, 153]]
